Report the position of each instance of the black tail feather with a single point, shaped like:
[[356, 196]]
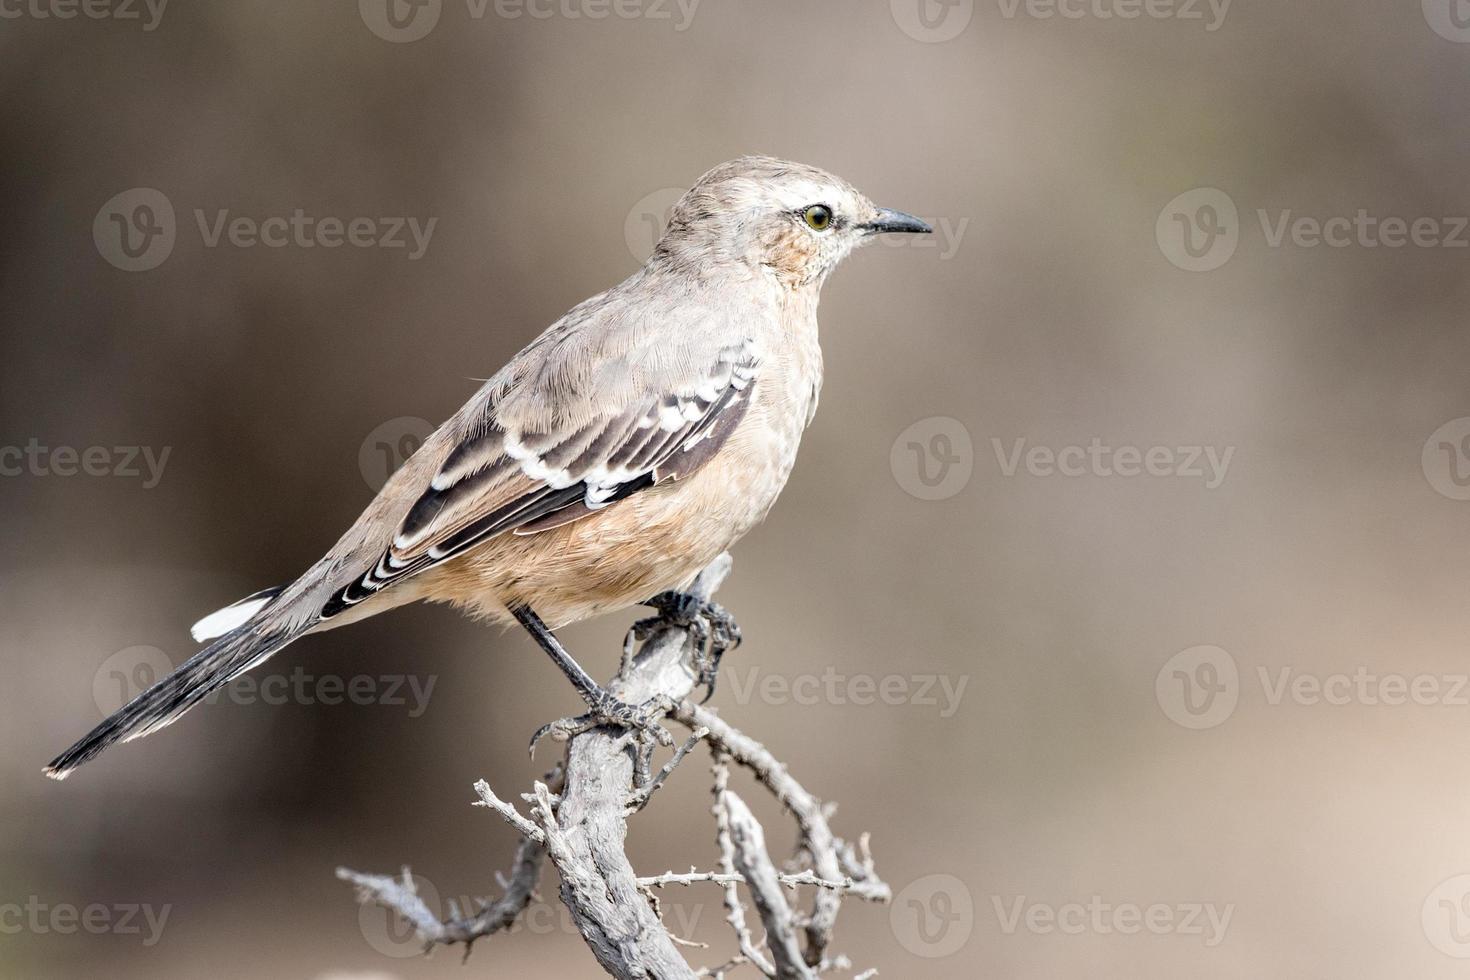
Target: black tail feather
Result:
[[166, 701]]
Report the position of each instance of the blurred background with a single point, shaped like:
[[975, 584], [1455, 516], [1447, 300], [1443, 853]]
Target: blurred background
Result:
[[1120, 590]]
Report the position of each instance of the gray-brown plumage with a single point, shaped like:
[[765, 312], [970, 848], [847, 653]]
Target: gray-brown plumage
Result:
[[614, 457]]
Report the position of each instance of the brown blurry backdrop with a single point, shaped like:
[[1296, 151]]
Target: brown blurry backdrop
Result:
[[1048, 147]]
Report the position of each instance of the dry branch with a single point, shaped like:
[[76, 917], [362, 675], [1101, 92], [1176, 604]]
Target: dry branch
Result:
[[578, 818]]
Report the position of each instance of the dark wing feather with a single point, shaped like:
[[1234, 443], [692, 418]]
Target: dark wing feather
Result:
[[498, 479]]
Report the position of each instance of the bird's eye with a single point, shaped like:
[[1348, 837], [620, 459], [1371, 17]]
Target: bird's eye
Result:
[[818, 216]]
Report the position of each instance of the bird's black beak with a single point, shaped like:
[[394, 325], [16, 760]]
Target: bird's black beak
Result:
[[888, 219]]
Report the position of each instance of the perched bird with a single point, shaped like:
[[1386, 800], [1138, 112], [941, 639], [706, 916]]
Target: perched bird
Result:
[[638, 437]]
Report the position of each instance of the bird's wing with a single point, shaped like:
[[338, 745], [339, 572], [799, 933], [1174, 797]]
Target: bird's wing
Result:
[[556, 440]]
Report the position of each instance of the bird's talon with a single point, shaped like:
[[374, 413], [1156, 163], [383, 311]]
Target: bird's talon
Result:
[[641, 721], [711, 627]]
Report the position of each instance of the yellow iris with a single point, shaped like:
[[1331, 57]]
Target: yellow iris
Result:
[[818, 216]]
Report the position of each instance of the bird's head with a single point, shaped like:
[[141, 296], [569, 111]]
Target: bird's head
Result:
[[790, 220]]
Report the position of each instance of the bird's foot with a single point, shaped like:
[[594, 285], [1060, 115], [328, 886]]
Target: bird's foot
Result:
[[641, 720], [711, 626]]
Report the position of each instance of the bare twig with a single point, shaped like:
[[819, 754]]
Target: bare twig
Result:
[[734, 909], [816, 835], [640, 796], [752, 861], [400, 896], [526, 827], [691, 877], [578, 818]]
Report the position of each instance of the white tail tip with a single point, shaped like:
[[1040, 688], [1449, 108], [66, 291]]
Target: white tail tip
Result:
[[221, 621]]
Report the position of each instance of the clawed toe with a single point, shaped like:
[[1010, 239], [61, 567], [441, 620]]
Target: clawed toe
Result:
[[642, 720], [713, 629]]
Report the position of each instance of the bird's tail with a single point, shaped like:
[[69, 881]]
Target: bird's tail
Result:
[[167, 701]]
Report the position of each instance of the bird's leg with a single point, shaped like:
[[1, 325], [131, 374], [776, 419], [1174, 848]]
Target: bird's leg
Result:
[[604, 709], [712, 627]]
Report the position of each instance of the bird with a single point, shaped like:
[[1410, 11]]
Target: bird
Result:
[[627, 446]]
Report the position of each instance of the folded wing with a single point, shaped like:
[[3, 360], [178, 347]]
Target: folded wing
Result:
[[501, 476]]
